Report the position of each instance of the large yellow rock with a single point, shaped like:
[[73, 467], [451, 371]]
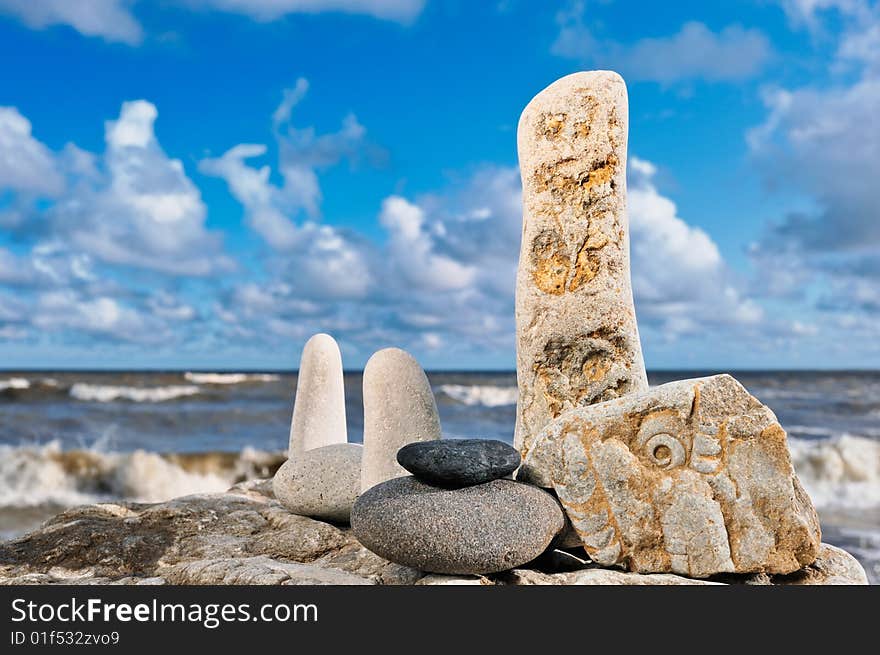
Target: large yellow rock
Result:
[[692, 477]]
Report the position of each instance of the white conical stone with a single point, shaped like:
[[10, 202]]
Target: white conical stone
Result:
[[399, 408], [577, 338], [319, 408]]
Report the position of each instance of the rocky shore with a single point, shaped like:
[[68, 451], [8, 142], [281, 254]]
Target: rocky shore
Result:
[[244, 537]]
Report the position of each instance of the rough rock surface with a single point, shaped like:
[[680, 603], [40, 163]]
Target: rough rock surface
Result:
[[322, 483], [459, 462], [577, 337], [399, 408], [474, 530], [259, 570], [692, 477], [246, 537], [319, 408]]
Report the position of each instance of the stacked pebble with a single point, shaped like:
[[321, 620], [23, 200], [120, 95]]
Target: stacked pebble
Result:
[[457, 513]]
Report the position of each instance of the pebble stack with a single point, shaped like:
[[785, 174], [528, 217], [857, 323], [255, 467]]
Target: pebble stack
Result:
[[457, 513], [322, 475]]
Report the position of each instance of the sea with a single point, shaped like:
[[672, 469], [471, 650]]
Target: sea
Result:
[[69, 438]]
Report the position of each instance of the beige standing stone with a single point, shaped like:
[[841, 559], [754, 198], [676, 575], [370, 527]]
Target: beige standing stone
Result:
[[399, 408], [577, 338], [691, 477], [319, 408]]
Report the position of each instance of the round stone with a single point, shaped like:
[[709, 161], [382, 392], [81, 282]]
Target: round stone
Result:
[[322, 483], [459, 462], [485, 528]]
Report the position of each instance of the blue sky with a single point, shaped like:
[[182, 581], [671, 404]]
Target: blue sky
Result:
[[206, 183]]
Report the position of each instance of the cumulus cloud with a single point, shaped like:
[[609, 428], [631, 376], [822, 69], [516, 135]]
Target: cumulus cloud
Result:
[[67, 311], [26, 165], [818, 142], [109, 19], [694, 52], [271, 209], [139, 208], [413, 252], [681, 282]]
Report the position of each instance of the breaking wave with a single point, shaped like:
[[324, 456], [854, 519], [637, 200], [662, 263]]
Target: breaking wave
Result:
[[229, 378], [47, 475], [839, 473], [103, 393], [14, 383], [485, 395]]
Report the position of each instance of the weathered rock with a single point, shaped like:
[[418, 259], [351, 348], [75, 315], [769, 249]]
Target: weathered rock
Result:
[[357, 560], [322, 483], [119, 540], [692, 477], [399, 408], [577, 338], [599, 577], [244, 537], [459, 462], [436, 580], [259, 570], [319, 408], [833, 566], [474, 530]]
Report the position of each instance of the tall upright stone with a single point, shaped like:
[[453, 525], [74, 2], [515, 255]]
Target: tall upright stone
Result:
[[577, 338], [319, 408], [399, 408]]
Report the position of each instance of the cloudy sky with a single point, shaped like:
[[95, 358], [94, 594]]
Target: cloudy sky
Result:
[[206, 183]]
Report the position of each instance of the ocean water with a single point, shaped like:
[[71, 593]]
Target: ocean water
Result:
[[71, 438]]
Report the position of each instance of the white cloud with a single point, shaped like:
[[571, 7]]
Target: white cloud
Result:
[[270, 208], [681, 282], [811, 13], [26, 164], [109, 19], [402, 11], [68, 312], [412, 249], [694, 52], [114, 21], [139, 208], [251, 187], [290, 99]]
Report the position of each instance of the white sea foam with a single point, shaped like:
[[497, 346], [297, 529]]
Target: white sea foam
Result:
[[839, 473], [486, 395], [32, 476], [107, 393], [14, 383], [229, 378]]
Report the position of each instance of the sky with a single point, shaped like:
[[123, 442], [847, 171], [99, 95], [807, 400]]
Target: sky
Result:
[[204, 184]]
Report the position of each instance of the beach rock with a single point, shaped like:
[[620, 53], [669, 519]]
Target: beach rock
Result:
[[577, 337], [319, 408], [474, 530], [118, 540], [691, 477], [435, 580], [459, 462], [260, 570], [833, 566], [322, 483], [357, 560], [246, 537], [399, 408], [597, 576]]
